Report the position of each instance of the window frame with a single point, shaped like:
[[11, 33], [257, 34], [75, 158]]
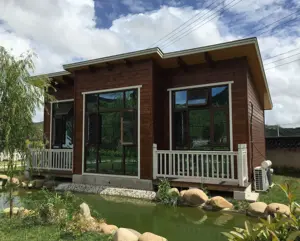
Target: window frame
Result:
[[212, 109]]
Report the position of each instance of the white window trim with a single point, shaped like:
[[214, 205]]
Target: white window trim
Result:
[[229, 83], [51, 107], [138, 87]]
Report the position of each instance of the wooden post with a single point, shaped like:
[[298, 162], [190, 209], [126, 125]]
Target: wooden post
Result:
[[155, 164], [242, 164]]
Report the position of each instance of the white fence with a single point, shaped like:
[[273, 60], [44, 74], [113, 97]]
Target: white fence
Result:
[[52, 159], [203, 166], [5, 156]]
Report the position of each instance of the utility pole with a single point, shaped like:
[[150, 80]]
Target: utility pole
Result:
[[277, 130]]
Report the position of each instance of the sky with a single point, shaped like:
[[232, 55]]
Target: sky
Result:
[[67, 31]]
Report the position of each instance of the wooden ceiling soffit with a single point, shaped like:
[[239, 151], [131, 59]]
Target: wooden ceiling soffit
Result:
[[92, 68], [182, 64], [109, 66], [67, 79], [209, 60]]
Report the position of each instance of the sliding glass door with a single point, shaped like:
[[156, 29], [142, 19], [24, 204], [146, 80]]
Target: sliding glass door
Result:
[[111, 133]]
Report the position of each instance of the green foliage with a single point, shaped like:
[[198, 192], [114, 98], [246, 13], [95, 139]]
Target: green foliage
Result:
[[277, 228], [164, 195]]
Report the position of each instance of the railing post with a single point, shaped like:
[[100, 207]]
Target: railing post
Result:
[[155, 164], [242, 164]]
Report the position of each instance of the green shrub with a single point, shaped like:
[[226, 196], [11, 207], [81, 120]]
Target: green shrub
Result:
[[164, 195]]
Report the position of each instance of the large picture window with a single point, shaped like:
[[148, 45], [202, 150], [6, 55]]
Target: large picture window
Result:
[[62, 125], [201, 119], [111, 133]]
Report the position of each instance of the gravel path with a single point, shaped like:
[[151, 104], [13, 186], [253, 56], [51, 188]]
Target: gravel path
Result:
[[105, 190]]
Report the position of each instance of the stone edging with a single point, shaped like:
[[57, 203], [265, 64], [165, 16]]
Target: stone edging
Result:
[[105, 190]]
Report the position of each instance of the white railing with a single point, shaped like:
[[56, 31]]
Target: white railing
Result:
[[203, 166], [5, 156], [52, 159]]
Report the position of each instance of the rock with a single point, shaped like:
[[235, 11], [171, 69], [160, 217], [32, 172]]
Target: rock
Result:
[[173, 192], [278, 208], [297, 211], [85, 211], [31, 184], [50, 184], [6, 210], [138, 234], [194, 197], [15, 210], [219, 202], [3, 177], [24, 184], [182, 193], [39, 183], [124, 234], [151, 237], [257, 209], [14, 181], [109, 229]]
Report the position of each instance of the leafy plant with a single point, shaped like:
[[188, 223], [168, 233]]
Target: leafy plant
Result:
[[164, 195], [277, 228]]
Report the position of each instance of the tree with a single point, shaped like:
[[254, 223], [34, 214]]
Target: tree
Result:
[[20, 95]]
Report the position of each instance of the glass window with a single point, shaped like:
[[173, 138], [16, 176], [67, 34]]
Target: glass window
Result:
[[219, 96], [180, 129], [131, 161], [130, 99], [199, 128], [197, 97], [128, 127], [180, 99], [111, 100], [111, 129], [220, 127], [62, 125]]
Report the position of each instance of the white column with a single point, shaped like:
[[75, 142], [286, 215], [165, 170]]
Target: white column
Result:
[[242, 164], [155, 164]]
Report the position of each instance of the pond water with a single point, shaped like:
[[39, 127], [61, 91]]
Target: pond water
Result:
[[174, 223]]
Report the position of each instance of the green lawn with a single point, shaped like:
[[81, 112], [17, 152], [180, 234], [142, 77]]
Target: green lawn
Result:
[[275, 194]]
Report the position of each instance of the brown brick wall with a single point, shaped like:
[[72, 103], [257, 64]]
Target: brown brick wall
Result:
[[257, 149], [119, 76]]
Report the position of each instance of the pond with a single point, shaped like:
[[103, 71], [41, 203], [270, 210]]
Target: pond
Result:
[[174, 223]]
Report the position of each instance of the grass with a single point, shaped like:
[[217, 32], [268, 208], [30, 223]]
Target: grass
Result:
[[276, 195], [15, 231]]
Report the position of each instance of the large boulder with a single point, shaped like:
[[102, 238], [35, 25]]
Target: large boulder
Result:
[[182, 193], [151, 237], [49, 184], [257, 209], [278, 208], [3, 178], [173, 192], [219, 202], [109, 229], [13, 181], [194, 197], [85, 211], [124, 234]]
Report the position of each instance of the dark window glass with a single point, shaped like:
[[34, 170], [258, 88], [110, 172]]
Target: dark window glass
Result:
[[180, 131], [93, 129], [199, 129], [128, 127], [220, 127], [111, 100], [111, 160], [180, 99], [91, 103], [62, 125], [131, 161], [131, 99], [90, 159], [219, 96], [197, 97]]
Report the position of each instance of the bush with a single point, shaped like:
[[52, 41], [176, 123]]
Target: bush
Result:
[[164, 195]]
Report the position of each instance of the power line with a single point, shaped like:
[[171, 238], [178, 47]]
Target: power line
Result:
[[282, 59], [186, 22], [274, 56], [282, 64], [279, 20], [223, 9]]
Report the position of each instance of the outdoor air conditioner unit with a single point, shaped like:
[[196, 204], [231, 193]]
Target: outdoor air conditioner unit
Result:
[[261, 181]]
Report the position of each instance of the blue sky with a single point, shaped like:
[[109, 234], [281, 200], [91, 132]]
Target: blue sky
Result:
[[64, 31]]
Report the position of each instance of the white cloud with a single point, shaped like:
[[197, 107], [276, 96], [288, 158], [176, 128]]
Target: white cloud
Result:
[[60, 31]]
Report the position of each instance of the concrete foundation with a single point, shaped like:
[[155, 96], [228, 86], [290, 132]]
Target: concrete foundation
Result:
[[113, 181], [247, 195]]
